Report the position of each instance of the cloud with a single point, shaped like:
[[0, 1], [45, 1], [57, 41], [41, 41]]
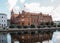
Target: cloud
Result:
[[32, 7], [52, 0], [11, 4], [17, 9], [36, 8], [22, 1], [56, 13]]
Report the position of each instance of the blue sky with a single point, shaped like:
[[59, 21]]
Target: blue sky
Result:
[[51, 7]]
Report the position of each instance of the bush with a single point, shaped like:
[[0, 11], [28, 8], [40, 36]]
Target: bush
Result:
[[32, 26], [25, 26], [38, 26], [11, 26], [54, 25], [59, 25], [4, 28], [49, 26], [42, 26], [47, 23], [19, 26], [42, 23]]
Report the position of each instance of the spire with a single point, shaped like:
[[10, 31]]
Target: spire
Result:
[[24, 7], [19, 12], [12, 12], [23, 12]]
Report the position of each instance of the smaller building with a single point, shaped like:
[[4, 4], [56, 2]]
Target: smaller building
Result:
[[57, 22], [3, 20]]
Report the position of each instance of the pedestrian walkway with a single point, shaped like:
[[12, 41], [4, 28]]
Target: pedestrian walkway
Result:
[[50, 41]]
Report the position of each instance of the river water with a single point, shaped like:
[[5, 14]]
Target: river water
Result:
[[55, 38]]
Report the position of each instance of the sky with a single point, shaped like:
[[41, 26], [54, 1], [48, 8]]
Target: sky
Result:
[[51, 7]]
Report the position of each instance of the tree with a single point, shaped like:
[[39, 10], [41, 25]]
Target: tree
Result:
[[11, 26], [19, 26], [47, 23], [25, 26], [59, 25], [49, 26], [38, 26], [42, 23], [32, 26], [52, 23]]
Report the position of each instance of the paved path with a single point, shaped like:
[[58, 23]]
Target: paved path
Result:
[[46, 41]]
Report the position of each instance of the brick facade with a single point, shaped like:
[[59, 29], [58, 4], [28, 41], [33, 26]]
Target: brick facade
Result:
[[27, 18]]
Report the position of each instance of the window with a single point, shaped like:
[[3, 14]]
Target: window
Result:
[[23, 23], [4, 24], [2, 20], [28, 23], [2, 41], [2, 16]]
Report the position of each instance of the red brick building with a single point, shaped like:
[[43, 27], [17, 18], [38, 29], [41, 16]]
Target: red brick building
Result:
[[27, 18]]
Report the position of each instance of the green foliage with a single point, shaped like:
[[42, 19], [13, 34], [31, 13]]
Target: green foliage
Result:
[[52, 23], [32, 26], [25, 26], [11, 27], [42, 23], [19, 26], [49, 26], [47, 23], [38, 26], [59, 25]]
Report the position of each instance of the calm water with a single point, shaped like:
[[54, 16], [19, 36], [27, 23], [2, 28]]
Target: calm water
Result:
[[55, 38]]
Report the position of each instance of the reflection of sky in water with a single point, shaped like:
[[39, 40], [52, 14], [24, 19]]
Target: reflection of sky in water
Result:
[[56, 37], [8, 38], [16, 42]]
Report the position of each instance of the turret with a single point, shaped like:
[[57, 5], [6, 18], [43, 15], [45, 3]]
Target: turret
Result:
[[23, 12]]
